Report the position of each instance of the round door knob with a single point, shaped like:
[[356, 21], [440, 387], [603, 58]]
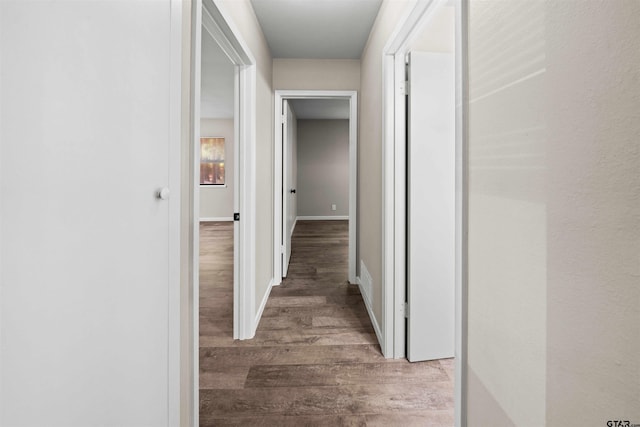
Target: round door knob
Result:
[[163, 194]]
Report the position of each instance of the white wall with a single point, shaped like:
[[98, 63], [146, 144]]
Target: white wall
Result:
[[507, 216], [323, 167], [554, 212], [216, 202]]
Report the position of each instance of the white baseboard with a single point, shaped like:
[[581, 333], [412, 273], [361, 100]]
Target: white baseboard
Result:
[[262, 305], [216, 219], [324, 218], [374, 322]]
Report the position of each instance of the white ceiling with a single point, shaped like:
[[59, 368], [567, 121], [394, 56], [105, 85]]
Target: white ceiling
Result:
[[320, 108], [216, 96], [325, 29]]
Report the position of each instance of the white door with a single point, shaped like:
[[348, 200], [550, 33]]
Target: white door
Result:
[[431, 206], [87, 307], [289, 205]]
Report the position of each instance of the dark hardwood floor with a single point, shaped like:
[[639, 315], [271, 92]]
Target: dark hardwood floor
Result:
[[314, 360]]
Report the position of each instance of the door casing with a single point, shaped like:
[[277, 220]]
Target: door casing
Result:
[[395, 201], [280, 95], [211, 16]]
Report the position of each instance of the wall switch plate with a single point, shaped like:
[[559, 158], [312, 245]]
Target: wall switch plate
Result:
[[333, 207]]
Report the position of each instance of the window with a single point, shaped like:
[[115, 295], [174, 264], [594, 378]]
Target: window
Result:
[[212, 161]]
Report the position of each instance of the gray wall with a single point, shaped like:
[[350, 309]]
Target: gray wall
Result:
[[323, 167], [216, 202]]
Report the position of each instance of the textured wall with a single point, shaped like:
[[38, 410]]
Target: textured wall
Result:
[[593, 234], [507, 213], [554, 212]]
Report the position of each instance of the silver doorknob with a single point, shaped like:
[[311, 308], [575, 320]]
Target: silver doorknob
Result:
[[163, 193]]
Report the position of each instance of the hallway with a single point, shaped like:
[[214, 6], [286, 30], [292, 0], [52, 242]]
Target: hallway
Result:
[[315, 358]]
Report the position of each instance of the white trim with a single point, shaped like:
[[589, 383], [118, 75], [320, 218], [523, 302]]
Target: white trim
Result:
[[367, 303], [324, 218], [203, 186], [194, 207], [264, 302], [175, 121], [216, 219], [218, 24], [394, 206], [462, 199], [352, 96], [1, 228]]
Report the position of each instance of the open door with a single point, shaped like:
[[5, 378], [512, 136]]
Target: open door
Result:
[[431, 206], [289, 205]]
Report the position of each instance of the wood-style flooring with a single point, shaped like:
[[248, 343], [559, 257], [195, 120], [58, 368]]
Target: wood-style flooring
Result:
[[314, 360]]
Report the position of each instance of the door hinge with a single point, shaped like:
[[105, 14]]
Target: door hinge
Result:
[[283, 119], [281, 249], [405, 307], [407, 87], [236, 216]]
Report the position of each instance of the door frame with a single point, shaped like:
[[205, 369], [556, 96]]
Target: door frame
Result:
[[286, 143], [219, 26], [211, 16], [352, 97], [395, 200]]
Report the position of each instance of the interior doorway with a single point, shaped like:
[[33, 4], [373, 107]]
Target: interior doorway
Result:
[[218, 182], [434, 31], [344, 106], [210, 22]]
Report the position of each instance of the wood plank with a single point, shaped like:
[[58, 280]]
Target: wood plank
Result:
[[421, 419], [436, 418], [399, 372], [287, 301], [354, 321], [288, 421], [211, 357], [334, 311], [286, 322], [223, 377], [310, 336], [344, 400]]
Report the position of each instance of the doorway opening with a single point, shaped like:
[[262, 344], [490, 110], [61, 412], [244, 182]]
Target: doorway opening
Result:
[[431, 39], [218, 48], [317, 104], [218, 173]]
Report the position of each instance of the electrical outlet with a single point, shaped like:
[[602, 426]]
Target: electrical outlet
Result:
[[333, 207]]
